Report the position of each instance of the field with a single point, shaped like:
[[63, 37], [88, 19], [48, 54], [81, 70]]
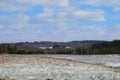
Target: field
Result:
[[59, 67]]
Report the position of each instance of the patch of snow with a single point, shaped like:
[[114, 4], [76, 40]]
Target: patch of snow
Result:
[[113, 64]]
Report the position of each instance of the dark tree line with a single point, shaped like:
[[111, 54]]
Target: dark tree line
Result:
[[4, 48], [12, 49], [115, 44], [112, 47]]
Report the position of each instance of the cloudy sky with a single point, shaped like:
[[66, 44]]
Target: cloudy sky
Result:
[[59, 20]]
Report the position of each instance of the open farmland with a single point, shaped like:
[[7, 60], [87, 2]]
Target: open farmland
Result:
[[57, 67]]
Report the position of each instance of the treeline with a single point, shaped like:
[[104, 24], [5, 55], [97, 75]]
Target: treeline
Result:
[[102, 48], [115, 44], [4, 48], [12, 49], [97, 48], [106, 47], [96, 51]]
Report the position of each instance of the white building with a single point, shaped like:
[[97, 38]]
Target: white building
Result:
[[42, 47], [67, 47]]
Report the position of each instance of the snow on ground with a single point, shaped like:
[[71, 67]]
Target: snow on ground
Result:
[[107, 60], [40, 67], [116, 65]]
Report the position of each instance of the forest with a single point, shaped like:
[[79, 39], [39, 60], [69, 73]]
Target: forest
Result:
[[105, 47]]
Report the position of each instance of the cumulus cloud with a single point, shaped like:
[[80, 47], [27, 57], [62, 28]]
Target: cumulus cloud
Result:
[[116, 9], [97, 15], [98, 2], [32, 32], [68, 17], [24, 5], [61, 3], [8, 6], [1, 26], [17, 21], [118, 26], [114, 32]]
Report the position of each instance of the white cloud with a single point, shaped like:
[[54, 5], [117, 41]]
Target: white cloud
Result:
[[70, 15], [25, 5], [102, 33], [56, 31], [116, 9], [14, 21], [115, 17], [1, 26], [115, 35], [21, 19], [15, 18], [89, 2], [17, 26], [58, 18], [97, 15], [115, 32], [47, 13], [118, 26], [98, 2], [111, 2], [95, 30], [61, 3], [8, 6]]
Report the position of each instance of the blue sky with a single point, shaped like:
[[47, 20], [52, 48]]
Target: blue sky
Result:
[[59, 20]]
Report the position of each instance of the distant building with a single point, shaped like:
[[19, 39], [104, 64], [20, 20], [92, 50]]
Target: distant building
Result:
[[67, 47], [50, 47], [42, 47], [55, 47], [45, 47]]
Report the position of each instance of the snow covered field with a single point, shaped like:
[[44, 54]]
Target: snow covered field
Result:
[[107, 60], [56, 67]]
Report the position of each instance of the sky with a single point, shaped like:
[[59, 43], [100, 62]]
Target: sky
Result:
[[59, 20]]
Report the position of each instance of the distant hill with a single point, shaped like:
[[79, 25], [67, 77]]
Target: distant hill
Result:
[[72, 44], [72, 47]]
